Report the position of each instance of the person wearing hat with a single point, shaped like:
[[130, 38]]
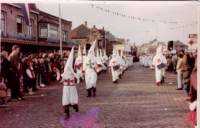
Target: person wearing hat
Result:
[[90, 73], [69, 80]]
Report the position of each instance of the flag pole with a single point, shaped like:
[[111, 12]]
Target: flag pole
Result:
[[60, 32]]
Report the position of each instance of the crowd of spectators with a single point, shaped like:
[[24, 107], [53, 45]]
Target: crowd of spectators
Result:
[[24, 74]]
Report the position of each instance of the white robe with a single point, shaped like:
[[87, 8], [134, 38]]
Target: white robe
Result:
[[70, 94], [90, 73], [115, 73], [159, 73], [79, 71], [122, 64], [99, 65]]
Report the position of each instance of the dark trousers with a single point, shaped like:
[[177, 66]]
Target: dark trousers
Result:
[[15, 88]]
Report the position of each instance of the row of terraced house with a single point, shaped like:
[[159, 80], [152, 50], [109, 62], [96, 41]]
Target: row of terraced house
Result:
[[43, 31]]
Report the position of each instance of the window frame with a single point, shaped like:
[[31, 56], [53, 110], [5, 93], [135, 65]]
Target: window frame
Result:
[[43, 25], [22, 23], [5, 21], [30, 27]]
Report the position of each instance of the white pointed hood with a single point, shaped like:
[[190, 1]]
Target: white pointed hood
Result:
[[68, 70], [159, 50], [101, 54], [104, 55], [114, 53], [79, 51], [91, 52], [122, 52], [118, 54], [79, 59], [104, 52], [97, 52], [84, 50]]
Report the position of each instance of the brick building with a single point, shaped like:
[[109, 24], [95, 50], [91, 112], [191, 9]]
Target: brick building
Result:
[[85, 35], [42, 33]]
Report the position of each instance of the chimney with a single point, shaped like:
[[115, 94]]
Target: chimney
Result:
[[103, 27], [86, 23], [94, 26]]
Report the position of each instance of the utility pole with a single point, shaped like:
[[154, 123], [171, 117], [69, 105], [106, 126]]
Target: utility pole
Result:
[[60, 31]]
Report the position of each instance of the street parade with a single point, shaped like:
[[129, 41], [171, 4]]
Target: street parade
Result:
[[55, 74]]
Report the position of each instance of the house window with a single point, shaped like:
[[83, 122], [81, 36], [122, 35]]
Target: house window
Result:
[[43, 30], [3, 21], [64, 35], [30, 27], [53, 32], [19, 24]]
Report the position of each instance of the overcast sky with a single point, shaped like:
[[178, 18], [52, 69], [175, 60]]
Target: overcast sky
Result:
[[137, 31]]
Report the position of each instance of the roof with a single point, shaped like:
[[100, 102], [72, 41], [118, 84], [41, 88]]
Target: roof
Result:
[[81, 31], [32, 7], [54, 17], [101, 31]]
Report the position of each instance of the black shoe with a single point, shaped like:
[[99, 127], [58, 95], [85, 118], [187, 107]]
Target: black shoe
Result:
[[163, 80], [89, 93], [179, 89], [94, 91], [66, 111], [120, 76], [116, 81], [76, 107]]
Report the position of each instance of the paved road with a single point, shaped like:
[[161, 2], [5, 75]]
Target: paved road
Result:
[[133, 103]]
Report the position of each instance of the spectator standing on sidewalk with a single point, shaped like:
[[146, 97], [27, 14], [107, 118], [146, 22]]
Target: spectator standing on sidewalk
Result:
[[179, 68], [15, 76]]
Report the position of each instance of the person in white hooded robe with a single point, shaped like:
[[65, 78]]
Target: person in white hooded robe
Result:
[[79, 64], [104, 68], [105, 57], [159, 61], [122, 64], [114, 67], [105, 60], [84, 60], [90, 73], [99, 63], [69, 80]]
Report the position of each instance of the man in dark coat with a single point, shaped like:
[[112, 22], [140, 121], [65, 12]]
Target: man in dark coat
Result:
[[15, 75]]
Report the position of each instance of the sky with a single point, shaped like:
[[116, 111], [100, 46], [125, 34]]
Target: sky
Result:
[[139, 32]]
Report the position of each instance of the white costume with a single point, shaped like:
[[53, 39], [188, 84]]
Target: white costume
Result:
[[99, 63], [70, 95], [105, 57], [84, 58], [79, 64], [121, 63], [114, 66], [157, 60], [90, 73], [102, 60]]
